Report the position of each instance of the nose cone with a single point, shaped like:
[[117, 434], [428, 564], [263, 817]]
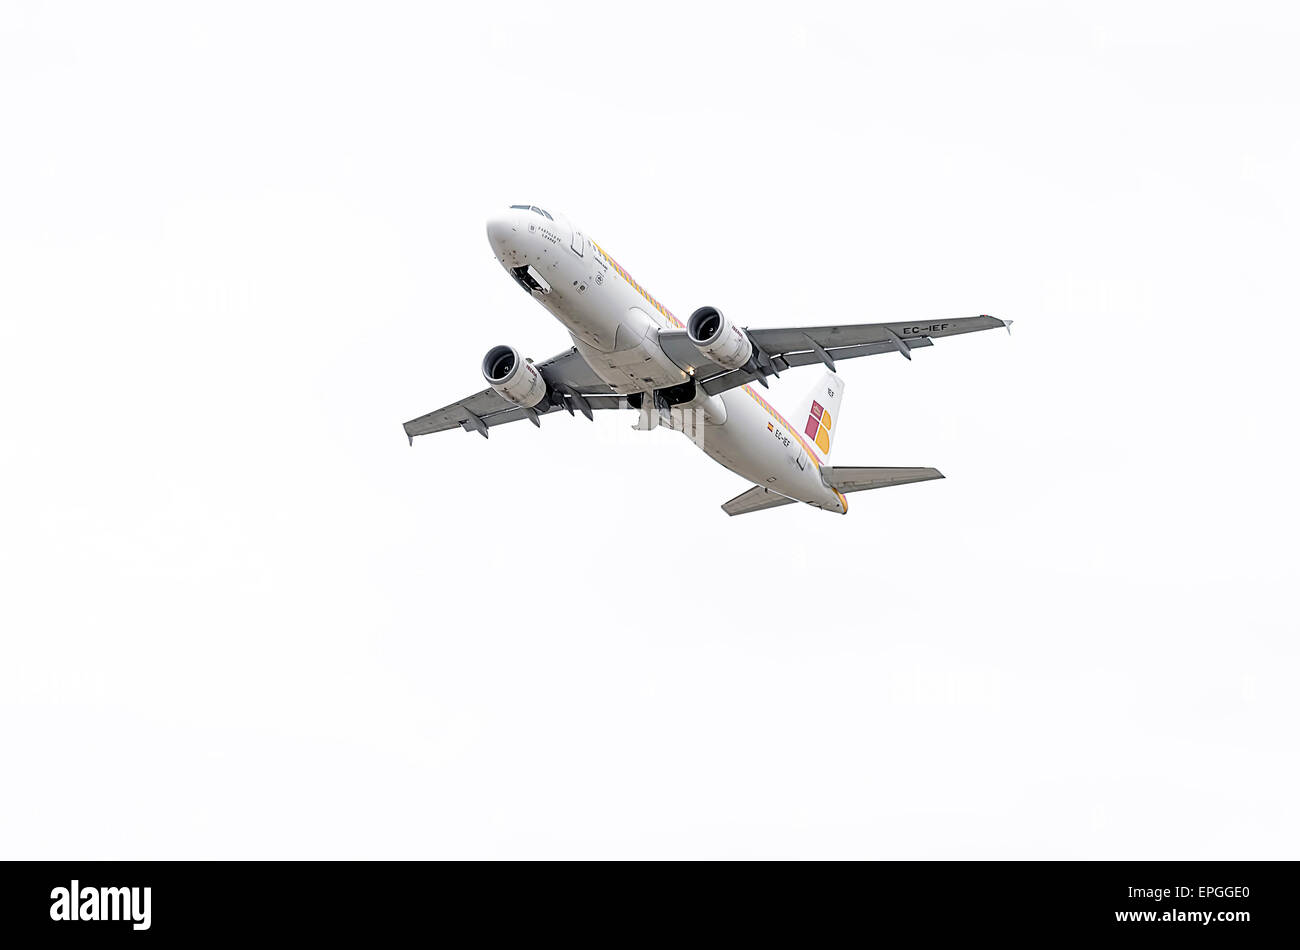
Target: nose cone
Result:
[[503, 233]]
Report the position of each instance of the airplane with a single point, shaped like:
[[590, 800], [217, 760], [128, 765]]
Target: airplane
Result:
[[630, 352]]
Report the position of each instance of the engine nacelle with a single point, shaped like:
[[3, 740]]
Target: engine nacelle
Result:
[[718, 338], [513, 378]]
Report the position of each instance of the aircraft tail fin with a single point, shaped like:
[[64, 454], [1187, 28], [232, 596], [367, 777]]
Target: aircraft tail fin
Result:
[[820, 412]]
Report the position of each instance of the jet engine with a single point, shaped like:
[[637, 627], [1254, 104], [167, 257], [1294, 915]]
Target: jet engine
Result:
[[718, 338], [513, 378]]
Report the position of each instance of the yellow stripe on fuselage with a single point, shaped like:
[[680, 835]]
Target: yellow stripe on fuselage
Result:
[[637, 287]]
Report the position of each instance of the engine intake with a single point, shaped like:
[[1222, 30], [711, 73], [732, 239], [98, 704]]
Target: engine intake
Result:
[[718, 339], [513, 378]]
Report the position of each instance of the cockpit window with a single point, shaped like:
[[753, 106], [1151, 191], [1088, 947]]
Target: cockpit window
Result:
[[540, 211]]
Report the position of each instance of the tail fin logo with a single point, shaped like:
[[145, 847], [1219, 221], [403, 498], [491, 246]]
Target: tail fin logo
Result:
[[819, 427]]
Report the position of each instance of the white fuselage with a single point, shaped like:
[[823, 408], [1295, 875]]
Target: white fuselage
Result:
[[615, 324]]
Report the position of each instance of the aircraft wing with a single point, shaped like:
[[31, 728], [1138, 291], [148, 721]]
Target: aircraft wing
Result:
[[778, 349], [568, 373]]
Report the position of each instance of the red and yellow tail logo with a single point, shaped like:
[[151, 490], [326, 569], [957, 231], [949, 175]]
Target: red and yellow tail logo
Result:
[[819, 427]]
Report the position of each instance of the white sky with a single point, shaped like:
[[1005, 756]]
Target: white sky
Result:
[[241, 244]]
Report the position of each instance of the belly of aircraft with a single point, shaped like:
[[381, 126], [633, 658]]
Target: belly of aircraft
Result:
[[638, 367]]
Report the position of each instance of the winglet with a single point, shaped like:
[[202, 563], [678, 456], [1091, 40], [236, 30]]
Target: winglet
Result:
[[1007, 324]]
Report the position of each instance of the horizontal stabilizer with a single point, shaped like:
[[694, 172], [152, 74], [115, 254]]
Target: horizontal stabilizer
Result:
[[846, 478], [756, 499]]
